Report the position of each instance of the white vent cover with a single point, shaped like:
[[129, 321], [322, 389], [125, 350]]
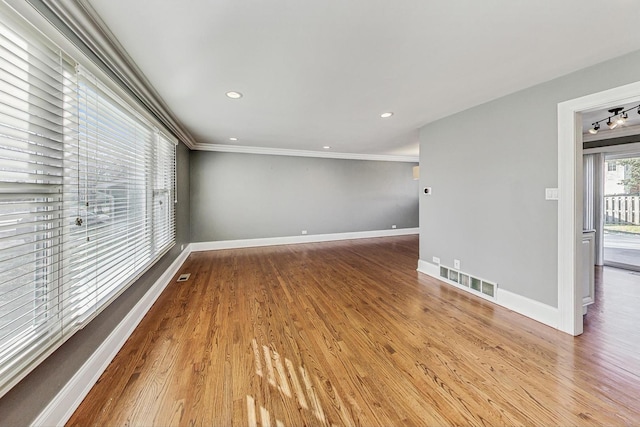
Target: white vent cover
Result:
[[184, 277], [468, 282]]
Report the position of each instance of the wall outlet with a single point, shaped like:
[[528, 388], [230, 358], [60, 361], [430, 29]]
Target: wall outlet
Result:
[[304, 231], [393, 226], [436, 260], [456, 264], [551, 193]]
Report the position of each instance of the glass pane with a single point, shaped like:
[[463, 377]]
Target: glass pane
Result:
[[27, 248], [622, 211]]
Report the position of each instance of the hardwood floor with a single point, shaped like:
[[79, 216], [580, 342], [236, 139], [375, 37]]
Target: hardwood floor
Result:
[[611, 331], [348, 333]]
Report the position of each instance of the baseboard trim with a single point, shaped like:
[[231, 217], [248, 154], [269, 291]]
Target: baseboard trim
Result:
[[528, 307], [293, 240], [429, 269], [64, 404], [536, 310]]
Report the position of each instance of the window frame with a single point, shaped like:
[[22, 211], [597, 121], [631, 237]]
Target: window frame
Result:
[[36, 26]]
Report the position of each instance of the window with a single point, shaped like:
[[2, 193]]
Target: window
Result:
[[86, 197], [163, 191], [612, 166]]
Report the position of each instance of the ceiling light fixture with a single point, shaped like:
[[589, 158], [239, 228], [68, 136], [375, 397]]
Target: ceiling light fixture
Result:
[[387, 114], [617, 118], [622, 118], [618, 121], [233, 139], [326, 147], [234, 95]]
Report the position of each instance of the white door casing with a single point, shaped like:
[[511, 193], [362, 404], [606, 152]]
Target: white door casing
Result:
[[570, 198]]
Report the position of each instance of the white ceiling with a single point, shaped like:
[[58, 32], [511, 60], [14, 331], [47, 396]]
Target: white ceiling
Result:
[[316, 73]]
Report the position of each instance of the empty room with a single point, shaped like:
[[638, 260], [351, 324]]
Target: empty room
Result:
[[331, 213]]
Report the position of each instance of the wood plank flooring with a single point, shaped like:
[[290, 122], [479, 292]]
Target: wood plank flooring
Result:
[[348, 333]]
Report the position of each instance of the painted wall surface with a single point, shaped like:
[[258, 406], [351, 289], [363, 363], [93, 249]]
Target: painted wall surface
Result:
[[247, 196], [21, 405], [489, 167]]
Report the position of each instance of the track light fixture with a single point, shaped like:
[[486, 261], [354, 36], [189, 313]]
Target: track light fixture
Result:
[[618, 117]]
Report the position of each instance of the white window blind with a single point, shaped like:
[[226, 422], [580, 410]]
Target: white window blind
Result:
[[86, 197], [163, 191]]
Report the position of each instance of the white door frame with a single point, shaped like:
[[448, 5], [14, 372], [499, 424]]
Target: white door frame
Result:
[[570, 198]]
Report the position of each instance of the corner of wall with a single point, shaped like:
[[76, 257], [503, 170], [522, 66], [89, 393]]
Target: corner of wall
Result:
[[527, 307]]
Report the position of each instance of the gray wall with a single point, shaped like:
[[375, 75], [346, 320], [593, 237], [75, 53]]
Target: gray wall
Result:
[[489, 166], [24, 402], [245, 196]]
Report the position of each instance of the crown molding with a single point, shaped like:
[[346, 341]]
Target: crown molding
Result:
[[301, 153], [85, 23]]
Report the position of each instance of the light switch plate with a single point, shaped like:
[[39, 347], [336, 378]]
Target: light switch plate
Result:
[[551, 194]]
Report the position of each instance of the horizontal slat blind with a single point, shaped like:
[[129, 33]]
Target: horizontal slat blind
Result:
[[109, 230], [163, 197], [86, 197], [35, 84]]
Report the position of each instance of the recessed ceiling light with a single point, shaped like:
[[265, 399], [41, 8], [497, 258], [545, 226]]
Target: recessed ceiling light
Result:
[[233, 139], [387, 114], [234, 95], [326, 147]]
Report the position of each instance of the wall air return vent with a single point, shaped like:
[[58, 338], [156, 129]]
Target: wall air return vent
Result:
[[468, 282]]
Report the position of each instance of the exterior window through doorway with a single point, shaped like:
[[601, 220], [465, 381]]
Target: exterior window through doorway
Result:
[[622, 212]]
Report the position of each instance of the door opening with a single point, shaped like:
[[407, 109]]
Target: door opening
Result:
[[570, 203]]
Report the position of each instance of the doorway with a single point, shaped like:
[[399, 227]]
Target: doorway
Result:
[[570, 203]]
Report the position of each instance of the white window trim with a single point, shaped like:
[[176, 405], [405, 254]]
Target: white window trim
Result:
[[49, 32]]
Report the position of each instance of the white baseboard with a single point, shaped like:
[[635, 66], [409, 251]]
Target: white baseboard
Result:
[[429, 268], [62, 407], [528, 307], [536, 310], [292, 240]]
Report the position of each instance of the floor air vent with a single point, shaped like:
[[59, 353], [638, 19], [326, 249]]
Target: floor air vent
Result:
[[184, 277], [468, 281]]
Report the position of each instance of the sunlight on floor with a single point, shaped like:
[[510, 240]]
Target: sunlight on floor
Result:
[[284, 381]]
